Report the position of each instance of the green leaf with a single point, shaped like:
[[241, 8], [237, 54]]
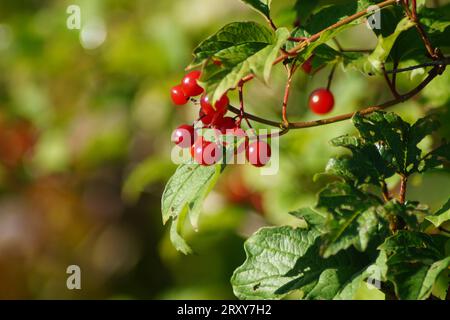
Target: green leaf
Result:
[[235, 51], [323, 18], [395, 139], [315, 219], [373, 63], [175, 237], [281, 260], [330, 14], [441, 216], [374, 274], [271, 254], [365, 165], [435, 19], [184, 195], [353, 218], [330, 278], [262, 6], [415, 260], [304, 9], [435, 158]]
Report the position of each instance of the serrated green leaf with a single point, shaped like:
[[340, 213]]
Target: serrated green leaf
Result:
[[262, 6], [415, 260], [271, 254], [235, 51], [353, 218], [184, 195], [441, 216], [281, 260], [395, 139], [321, 279]]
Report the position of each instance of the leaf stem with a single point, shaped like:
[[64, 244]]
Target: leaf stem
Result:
[[331, 76]]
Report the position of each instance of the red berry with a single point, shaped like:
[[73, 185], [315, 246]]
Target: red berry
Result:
[[211, 119], [220, 106], [321, 101], [190, 85], [307, 65], [226, 124], [258, 153], [178, 97], [184, 136], [205, 153]]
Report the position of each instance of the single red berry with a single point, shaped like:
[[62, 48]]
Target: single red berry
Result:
[[258, 153], [226, 125], [205, 153], [220, 106], [307, 65], [178, 97], [190, 85], [184, 136], [321, 101]]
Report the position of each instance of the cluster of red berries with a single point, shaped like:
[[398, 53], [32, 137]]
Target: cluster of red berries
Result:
[[206, 152], [321, 101]]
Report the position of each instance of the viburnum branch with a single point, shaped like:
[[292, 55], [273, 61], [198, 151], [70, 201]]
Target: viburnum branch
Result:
[[308, 124], [438, 69]]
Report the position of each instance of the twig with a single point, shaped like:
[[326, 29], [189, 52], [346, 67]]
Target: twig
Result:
[[308, 124], [304, 42], [444, 61], [412, 14], [403, 186], [338, 24], [390, 83], [255, 118], [287, 91], [242, 106]]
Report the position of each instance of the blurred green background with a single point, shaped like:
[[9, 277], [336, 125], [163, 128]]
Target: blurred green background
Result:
[[85, 125]]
